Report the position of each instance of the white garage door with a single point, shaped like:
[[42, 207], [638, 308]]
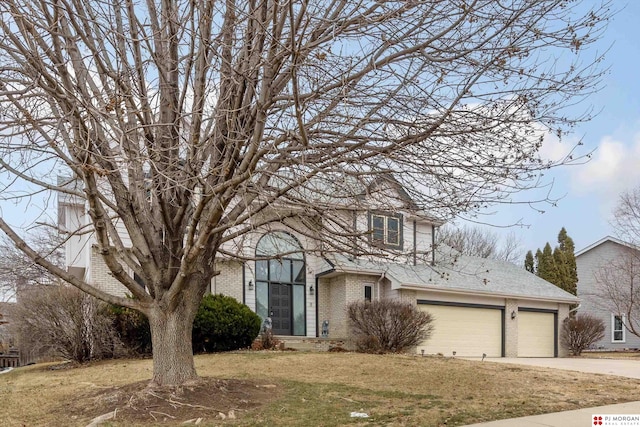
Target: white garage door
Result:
[[470, 332], [536, 337]]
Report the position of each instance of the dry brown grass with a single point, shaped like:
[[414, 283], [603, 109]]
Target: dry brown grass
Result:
[[621, 354], [323, 388]]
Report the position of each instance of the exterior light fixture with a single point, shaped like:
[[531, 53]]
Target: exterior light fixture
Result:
[[311, 290], [513, 314], [250, 285]]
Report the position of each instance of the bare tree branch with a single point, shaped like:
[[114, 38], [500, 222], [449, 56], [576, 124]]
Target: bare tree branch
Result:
[[187, 126]]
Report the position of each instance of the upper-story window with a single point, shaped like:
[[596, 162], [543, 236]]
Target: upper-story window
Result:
[[386, 229]]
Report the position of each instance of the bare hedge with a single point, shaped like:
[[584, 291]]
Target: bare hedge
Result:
[[581, 331], [388, 325], [62, 321]]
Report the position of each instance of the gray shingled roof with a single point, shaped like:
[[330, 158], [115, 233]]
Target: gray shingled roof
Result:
[[460, 273]]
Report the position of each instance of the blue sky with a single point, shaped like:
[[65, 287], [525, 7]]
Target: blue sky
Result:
[[591, 190]]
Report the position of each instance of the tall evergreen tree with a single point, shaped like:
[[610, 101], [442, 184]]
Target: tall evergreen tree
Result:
[[567, 247], [529, 263], [562, 272], [546, 264], [557, 266]]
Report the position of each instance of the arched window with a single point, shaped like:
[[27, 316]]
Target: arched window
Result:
[[280, 283]]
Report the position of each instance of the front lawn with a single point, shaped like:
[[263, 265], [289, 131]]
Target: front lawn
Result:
[[295, 388]]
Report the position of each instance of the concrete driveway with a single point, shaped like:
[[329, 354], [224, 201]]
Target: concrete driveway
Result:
[[619, 367]]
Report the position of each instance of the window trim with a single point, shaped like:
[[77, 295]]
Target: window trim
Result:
[[614, 330], [385, 242]]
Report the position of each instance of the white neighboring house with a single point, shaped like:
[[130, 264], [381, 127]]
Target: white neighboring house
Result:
[[481, 307], [590, 262]]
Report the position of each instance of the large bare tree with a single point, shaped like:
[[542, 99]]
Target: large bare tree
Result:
[[481, 242], [192, 123], [19, 271]]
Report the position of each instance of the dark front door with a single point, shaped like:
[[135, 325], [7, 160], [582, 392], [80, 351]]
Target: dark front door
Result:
[[280, 308]]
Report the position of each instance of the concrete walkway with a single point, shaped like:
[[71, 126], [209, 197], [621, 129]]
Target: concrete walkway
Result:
[[621, 367], [579, 417]]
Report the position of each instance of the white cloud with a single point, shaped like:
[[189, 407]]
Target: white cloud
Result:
[[554, 149], [614, 167]]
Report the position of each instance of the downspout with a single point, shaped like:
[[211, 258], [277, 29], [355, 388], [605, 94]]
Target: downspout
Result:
[[415, 244], [354, 240], [379, 283], [244, 278], [317, 311], [433, 244]]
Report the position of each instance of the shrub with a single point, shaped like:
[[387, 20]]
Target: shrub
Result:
[[388, 325], [267, 341], [224, 324], [133, 329], [580, 331], [62, 321]]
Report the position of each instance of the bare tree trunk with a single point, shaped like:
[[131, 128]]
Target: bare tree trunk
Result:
[[171, 339]]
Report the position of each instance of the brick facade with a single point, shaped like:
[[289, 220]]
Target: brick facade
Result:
[[511, 328], [100, 276], [229, 281], [563, 313]]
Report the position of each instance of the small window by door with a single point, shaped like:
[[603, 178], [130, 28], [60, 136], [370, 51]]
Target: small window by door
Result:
[[367, 293], [617, 328]]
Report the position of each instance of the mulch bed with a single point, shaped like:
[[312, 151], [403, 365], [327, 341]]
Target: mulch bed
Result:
[[207, 400]]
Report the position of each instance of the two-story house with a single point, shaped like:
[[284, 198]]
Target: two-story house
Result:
[[480, 306], [605, 280]]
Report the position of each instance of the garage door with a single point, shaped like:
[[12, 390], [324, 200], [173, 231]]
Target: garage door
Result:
[[536, 336], [468, 331]]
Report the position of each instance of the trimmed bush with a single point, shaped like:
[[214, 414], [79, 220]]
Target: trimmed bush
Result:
[[224, 324], [388, 325], [581, 331]]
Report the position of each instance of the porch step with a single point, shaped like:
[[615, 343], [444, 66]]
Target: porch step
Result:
[[312, 343]]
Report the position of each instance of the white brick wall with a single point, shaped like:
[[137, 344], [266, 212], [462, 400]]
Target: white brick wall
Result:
[[229, 281], [101, 277]]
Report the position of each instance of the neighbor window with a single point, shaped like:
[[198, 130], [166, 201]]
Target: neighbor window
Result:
[[386, 229], [617, 328]]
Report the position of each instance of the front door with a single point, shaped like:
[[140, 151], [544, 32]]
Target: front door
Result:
[[280, 308]]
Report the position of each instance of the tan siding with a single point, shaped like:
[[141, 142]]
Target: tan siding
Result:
[[588, 263]]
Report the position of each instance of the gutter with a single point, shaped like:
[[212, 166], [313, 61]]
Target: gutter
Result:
[[488, 293], [370, 271], [379, 283]]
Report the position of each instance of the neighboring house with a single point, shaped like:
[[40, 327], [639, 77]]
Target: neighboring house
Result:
[[480, 306], [6, 342], [591, 262]]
